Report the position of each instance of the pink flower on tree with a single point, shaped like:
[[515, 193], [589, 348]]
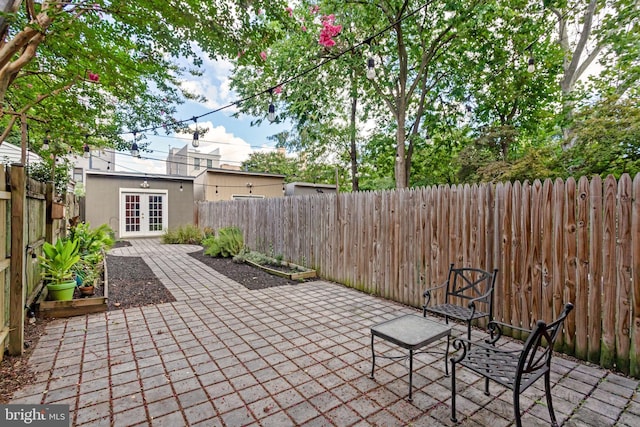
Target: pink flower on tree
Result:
[[304, 29], [289, 11], [263, 55], [93, 77], [329, 31], [277, 90], [314, 9]]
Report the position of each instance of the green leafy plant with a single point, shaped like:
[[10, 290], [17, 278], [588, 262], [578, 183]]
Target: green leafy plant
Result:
[[187, 234], [92, 244], [228, 243], [59, 261], [92, 241]]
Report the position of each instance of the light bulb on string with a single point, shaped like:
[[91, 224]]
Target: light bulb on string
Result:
[[181, 189], [135, 152], [196, 136], [531, 64], [108, 166], [86, 149], [371, 70], [45, 141], [272, 113]]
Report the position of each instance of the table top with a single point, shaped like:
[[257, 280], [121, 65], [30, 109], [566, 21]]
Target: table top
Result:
[[411, 331]]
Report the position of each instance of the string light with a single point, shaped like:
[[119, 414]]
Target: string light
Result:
[[532, 65], [284, 82], [86, 149], [371, 71], [108, 165], [45, 141], [272, 113], [135, 152], [196, 136], [181, 189], [272, 109]]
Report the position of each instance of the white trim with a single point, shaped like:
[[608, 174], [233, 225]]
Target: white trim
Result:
[[246, 196]]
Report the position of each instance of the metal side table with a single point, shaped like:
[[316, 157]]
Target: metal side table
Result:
[[411, 332]]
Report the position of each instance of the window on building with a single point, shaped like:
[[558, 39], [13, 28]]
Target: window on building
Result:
[[77, 174], [196, 163], [209, 163]]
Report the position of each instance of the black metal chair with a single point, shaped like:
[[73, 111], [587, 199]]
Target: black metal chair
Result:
[[514, 369], [471, 285]]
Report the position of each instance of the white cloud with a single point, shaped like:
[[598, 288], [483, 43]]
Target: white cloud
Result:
[[214, 84], [233, 150]]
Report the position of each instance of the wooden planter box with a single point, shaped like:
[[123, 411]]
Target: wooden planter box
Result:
[[75, 307], [57, 210], [299, 274]]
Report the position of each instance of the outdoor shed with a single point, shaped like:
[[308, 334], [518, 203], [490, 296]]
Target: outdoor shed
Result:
[[138, 205], [224, 184]]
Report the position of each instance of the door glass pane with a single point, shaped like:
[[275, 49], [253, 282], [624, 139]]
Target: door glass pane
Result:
[[132, 212], [155, 213]]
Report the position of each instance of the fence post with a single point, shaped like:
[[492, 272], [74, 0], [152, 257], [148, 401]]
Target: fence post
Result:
[[16, 293], [48, 231]]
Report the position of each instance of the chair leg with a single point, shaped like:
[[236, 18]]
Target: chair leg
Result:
[[446, 357], [453, 392], [547, 392], [516, 406], [373, 358]]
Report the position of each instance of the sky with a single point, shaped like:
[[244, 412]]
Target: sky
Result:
[[235, 137]]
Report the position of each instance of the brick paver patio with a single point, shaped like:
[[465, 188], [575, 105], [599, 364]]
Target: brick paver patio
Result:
[[297, 355]]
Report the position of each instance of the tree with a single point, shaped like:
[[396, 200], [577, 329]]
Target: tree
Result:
[[98, 68], [607, 139], [608, 30], [272, 162]]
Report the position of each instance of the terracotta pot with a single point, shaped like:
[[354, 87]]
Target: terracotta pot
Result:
[[87, 290]]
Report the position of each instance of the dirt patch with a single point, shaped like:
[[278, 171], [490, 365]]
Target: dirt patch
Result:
[[248, 276], [14, 370]]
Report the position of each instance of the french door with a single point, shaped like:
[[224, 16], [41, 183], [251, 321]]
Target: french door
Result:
[[143, 213]]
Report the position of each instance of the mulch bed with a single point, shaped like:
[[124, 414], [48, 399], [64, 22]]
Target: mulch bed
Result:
[[250, 277]]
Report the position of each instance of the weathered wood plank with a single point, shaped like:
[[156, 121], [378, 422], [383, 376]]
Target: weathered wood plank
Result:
[[582, 268], [634, 352], [623, 272], [558, 253], [595, 270], [608, 345], [570, 262]]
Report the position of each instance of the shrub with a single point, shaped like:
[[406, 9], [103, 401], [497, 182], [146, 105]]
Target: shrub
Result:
[[228, 243], [187, 234]]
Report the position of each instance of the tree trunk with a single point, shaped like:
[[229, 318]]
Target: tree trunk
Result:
[[352, 143]]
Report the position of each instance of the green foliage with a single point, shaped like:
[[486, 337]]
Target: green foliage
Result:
[[228, 243], [187, 234], [607, 139], [92, 241], [96, 68], [271, 162], [41, 172], [58, 261]]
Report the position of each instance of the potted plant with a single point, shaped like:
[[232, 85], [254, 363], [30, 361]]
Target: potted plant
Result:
[[58, 265], [87, 274]]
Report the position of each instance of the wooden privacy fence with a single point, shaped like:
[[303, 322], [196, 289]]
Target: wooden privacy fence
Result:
[[25, 224], [552, 241]]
